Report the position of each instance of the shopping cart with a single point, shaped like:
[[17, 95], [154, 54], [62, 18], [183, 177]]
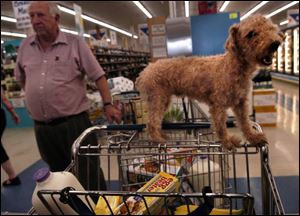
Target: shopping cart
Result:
[[134, 109], [207, 174]]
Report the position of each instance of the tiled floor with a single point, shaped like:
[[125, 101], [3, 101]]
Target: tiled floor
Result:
[[283, 139]]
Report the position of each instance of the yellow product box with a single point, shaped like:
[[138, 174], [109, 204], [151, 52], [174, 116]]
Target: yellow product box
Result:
[[102, 208], [264, 97], [162, 182], [142, 120], [140, 107], [266, 116]]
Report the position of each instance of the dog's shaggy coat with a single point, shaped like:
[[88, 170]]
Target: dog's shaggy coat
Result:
[[221, 81]]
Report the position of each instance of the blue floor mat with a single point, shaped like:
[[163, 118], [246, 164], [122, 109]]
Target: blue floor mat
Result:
[[18, 198], [288, 187]]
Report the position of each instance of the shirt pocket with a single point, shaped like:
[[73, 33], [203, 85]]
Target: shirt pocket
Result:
[[62, 70]]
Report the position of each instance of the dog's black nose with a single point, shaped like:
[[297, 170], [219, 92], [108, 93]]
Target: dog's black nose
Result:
[[274, 46]]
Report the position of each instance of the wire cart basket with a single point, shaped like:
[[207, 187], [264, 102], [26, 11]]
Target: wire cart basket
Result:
[[189, 174]]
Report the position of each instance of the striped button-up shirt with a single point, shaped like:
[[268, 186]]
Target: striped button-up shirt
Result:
[[55, 79]]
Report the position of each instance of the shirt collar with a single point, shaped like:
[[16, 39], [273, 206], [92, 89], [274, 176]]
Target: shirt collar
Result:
[[61, 38]]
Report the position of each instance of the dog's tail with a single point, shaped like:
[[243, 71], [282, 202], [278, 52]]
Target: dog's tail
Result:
[[142, 83]]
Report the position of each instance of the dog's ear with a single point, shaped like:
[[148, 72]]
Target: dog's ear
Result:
[[232, 42]]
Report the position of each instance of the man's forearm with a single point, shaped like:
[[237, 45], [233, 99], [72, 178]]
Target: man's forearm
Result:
[[104, 89], [22, 83]]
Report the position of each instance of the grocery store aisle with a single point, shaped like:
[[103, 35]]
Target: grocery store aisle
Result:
[[283, 147]]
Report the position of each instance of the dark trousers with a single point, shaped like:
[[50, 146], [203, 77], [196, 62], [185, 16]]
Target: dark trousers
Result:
[[4, 156], [55, 143]]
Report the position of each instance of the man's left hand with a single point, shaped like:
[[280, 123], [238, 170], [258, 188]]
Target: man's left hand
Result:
[[113, 114]]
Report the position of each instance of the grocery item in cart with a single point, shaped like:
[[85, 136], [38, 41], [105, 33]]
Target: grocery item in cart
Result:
[[102, 208], [47, 180], [162, 182]]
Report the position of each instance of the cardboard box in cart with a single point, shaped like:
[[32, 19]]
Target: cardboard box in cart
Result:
[[162, 182]]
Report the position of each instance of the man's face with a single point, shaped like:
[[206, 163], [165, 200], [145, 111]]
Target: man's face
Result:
[[43, 23]]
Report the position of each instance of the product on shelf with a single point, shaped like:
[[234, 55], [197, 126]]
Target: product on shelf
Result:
[[121, 62]]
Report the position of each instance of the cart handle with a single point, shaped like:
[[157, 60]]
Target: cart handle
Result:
[[165, 126]]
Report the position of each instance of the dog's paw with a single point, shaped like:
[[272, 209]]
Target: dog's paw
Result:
[[257, 139], [164, 135], [232, 142], [158, 139]]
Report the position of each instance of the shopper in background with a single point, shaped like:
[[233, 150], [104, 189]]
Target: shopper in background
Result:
[[13, 179], [51, 66]]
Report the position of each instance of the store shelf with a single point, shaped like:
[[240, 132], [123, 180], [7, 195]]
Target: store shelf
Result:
[[121, 62], [285, 77]]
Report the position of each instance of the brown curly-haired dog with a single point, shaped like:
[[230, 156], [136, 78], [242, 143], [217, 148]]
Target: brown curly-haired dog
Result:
[[221, 81]]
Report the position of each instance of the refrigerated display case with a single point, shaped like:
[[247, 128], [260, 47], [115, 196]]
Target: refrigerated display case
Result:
[[296, 51], [288, 51], [286, 59], [280, 58]]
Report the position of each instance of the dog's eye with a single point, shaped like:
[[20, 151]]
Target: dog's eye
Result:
[[251, 34]]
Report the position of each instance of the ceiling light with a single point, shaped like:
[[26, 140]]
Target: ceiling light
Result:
[[135, 37], [284, 22], [13, 34], [85, 17], [9, 19], [2, 41], [282, 8], [66, 10], [74, 32], [142, 8], [187, 8], [107, 39], [87, 35], [254, 9], [105, 25], [225, 4]]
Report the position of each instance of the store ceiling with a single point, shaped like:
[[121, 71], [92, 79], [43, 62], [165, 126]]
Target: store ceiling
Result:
[[125, 15]]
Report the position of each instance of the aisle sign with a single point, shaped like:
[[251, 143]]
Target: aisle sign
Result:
[[143, 33], [293, 17], [113, 37], [21, 14], [78, 20]]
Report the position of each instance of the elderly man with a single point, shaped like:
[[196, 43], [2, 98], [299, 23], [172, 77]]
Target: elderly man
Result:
[[51, 66]]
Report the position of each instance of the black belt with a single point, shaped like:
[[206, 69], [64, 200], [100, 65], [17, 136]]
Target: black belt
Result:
[[58, 120]]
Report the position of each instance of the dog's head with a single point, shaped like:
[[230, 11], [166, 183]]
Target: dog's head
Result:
[[254, 40]]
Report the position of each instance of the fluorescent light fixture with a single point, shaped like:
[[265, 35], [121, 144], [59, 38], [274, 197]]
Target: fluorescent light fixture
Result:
[[86, 35], [142, 8], [74, 32], [85, 17], [282, 8], [187, 8], [224, 5], [135, 37], [69, 31], [66, 10], [106, 25], [254, 9], [8, 19], [284, 22], [13, 34]]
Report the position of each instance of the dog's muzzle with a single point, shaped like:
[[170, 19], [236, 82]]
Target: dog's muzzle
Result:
[[267, 59], [274, 46]]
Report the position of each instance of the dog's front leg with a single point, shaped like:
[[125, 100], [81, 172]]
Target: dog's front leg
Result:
[[242, 114], [219, 117]]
